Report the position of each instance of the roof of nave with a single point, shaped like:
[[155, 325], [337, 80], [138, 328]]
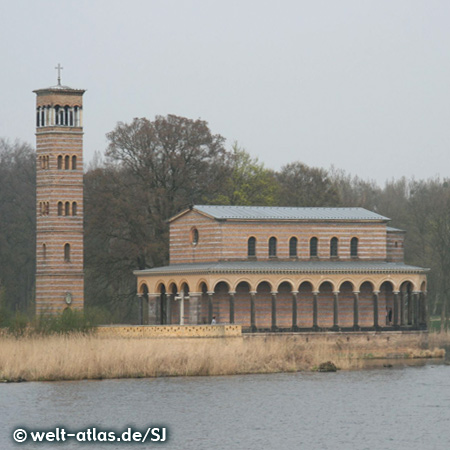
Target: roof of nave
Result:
[[225, 212], [285, 267]]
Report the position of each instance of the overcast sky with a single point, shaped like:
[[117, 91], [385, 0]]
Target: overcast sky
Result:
[[361, 85]]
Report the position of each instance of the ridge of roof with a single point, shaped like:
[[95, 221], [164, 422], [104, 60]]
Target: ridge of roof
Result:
[[227, 212]]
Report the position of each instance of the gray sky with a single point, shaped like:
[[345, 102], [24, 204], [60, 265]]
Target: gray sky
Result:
[[361, 85]]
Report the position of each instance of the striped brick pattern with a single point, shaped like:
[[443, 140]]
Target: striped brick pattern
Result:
[[220, 240], [59, 196], [394, 246]]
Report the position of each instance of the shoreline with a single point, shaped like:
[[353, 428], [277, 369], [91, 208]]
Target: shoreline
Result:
[[90, 357]]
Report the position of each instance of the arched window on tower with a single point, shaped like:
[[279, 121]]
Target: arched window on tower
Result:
[[293, 247], [71, 117], [61, 116], [74, 162], [44, 251], [334, 247], [74, 208], [313, 243], [38, 118], [66, 115], [67, 162], [67, 209], [56, 115], [354, 247], [251, 247], [43, 117], [60, 162], [67, 252], [272, 247], [60, 208]]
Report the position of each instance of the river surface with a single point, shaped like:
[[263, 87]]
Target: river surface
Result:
[[383, 408]]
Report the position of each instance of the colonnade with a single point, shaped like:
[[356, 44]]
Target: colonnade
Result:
[[305, 309], [47, 116]]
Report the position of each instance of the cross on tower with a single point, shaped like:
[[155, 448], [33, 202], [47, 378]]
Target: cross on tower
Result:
[[59, 68]]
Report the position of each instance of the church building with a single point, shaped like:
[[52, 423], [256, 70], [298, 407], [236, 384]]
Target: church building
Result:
[[285, 269]]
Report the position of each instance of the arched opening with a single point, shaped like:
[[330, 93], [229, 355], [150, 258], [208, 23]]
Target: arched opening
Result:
[[263, 306], [204, 304], [334, 247], [60, 162], [305, 305], [43, 117], [272, 247], [386, 305], [67, 209], [67, 162], [74, 162], [143, 306], [60, 208], [406, 302], [67, 252], [66, 115], [194, 236], [173, 313], [325, 302], [293, 247], [366, 304], [346, 303], [221, 304], [162, 316], [56, 115], [313, 243], [284, 305], [251, 247], [354, 247], [242, 304], [183, 306], [44, 252], [71, 117], [74, 208]]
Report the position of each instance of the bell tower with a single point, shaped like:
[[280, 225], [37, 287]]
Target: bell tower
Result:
[[59, 196]]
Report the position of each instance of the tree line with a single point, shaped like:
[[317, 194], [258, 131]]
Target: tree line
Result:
[[151, 170]]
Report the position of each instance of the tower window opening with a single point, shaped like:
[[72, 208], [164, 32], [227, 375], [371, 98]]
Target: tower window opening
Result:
[[44, 251], [61, 117], [43, 118], [71, 118], [67, 162], [67, 209], [74, 162], [60, 161], [60, 208], [293, 247], [272, 247], [37, 119], [313, 243], [74, 208], [251, 247], [334, 247], [66, 115], [67, 252]]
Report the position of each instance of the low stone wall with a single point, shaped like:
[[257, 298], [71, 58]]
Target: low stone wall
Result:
[[169, 331], [375, 343]]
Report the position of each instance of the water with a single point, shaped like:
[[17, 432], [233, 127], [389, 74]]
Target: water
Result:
[[396, 408]]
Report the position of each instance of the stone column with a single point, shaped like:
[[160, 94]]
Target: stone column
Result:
[[375, 310], [153, 308], [194, 307], [252, 311], [232, 294], [396, 310], [274, 310], [356, 326], [315, 311], [335, 311], [210, 306], [294, 310]]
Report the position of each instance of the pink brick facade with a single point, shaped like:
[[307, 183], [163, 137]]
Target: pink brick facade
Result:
[[59, 199]]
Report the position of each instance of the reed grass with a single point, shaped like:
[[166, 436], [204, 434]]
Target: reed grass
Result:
[[78, 356], [439, 339]]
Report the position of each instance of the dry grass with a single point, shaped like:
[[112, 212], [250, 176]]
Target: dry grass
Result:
[[439, 339], [76, 357]]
